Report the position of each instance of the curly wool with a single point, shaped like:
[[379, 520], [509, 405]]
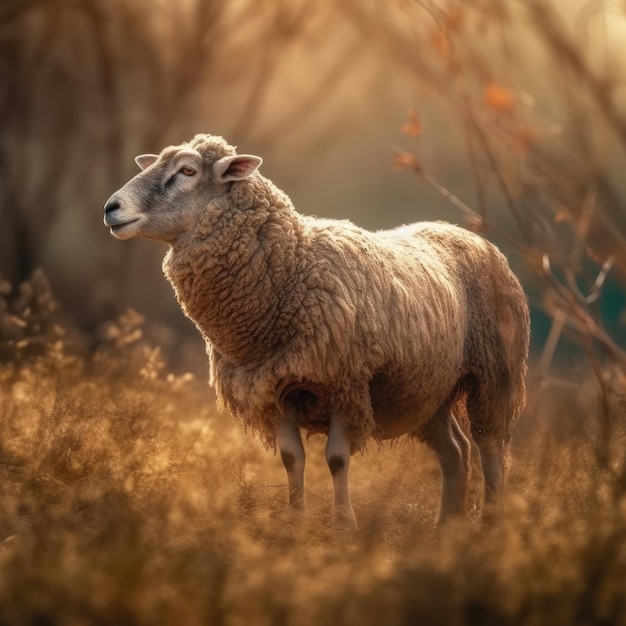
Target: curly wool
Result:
[[383, 326]]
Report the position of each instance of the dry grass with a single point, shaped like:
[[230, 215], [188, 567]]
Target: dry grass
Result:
[[125, 499]]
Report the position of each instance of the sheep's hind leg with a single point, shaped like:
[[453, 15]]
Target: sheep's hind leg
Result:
[[489, 432], [293, 458], [492, 460], [452, 448], [338, 458]]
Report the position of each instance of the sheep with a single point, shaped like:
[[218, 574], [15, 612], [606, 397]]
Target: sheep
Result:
[[319, 325]]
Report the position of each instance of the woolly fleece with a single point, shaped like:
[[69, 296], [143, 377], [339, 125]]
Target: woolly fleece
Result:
[[387, 328]]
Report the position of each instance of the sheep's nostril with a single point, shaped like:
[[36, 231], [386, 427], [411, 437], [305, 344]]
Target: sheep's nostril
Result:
[[111, 205]]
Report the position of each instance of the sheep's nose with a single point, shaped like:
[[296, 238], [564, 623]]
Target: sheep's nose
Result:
[[111, 205]]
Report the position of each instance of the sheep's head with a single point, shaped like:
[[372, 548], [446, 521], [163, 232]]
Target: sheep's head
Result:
[[161, 201]]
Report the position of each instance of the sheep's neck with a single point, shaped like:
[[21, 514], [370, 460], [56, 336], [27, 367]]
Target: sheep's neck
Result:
[[234, 286]]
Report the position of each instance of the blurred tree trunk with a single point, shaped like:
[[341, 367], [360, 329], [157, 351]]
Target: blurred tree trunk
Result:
[[16, 249]]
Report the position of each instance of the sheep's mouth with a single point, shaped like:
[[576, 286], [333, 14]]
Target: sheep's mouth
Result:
[[124, 230], [121, 225]]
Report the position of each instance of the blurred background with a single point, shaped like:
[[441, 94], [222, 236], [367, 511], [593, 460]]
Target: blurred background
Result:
[[508, 117]]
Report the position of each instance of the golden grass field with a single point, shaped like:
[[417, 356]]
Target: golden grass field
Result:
[[127, 499]]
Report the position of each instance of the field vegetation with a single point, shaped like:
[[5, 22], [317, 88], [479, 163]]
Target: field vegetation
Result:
[[126, 499]]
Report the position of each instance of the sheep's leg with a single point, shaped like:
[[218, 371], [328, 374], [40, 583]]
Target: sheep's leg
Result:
[[338, 459], [452, 448], [293, 458], [492, 455], [464, 442]]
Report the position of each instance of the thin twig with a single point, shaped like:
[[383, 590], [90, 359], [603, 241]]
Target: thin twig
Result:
[[547, 354], [596, 288]]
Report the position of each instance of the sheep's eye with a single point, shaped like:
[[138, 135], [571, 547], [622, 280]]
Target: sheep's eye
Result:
[[187, 171]]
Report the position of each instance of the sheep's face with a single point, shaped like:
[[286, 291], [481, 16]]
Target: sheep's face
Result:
[[161, 202]]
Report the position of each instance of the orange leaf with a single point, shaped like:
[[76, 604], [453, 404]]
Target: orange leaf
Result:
[[413, 128], [404, 160], [562, 216], [498, 98]]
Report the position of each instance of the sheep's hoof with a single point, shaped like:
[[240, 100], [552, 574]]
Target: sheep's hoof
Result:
[[490, 515], [297, 500], [299, 507], [344, 519], [297, 517]]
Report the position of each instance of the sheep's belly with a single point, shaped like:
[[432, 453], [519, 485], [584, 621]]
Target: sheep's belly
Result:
[[398, 421], [397, 409], [400, 409]]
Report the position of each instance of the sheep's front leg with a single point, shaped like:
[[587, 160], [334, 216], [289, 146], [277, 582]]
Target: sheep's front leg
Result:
[[292, 455], [338, 459]]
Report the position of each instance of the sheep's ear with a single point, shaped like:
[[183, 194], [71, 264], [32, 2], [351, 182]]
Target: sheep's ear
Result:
[[145, 160], [236, 167]]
